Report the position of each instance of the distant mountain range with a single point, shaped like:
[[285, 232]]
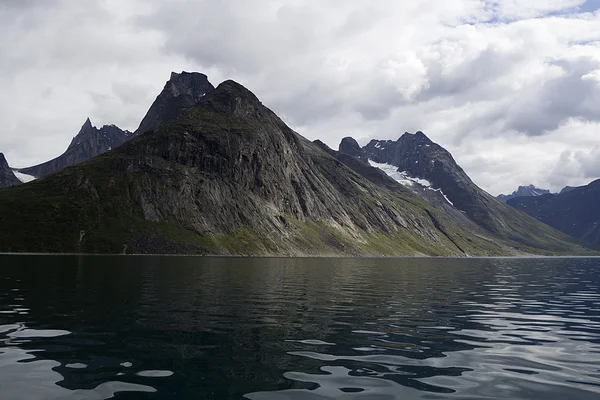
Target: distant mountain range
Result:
[[574, 211], [523, 191], [213, 171]]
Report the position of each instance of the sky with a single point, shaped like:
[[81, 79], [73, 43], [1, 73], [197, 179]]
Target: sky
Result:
[[510, 87]]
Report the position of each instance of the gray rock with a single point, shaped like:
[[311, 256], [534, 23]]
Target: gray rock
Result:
[[350, 146], [180, 92]]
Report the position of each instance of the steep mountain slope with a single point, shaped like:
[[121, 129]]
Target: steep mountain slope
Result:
[[419, 157], [7, 177], [89, 142], [181, 91], [229, 177], [523, 191], [574, 212]]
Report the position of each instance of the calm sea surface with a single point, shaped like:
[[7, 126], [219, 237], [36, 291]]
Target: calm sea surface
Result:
[[83, 327]]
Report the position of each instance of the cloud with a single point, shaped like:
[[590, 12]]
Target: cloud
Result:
[[502, 84]]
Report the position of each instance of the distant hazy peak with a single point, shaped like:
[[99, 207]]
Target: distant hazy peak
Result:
[[523, 191]]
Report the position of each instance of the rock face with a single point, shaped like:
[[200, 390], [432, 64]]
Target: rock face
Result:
[[574, 212], [89, 142], [227, 176], [523, 191], [181, 91], [7, 177], [350, 147]]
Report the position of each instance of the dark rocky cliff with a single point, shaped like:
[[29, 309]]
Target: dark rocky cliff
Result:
[[181, 91], [351, 147], [7, 177], [88, 143]]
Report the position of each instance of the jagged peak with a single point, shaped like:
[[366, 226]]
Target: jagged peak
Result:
[[3, 160], [418, 136], [178, 75], [86, 125]]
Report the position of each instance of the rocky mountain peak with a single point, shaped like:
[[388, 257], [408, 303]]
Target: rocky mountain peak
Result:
[[231, 98], [87, 125], [419, 157], [193, 84], [523, 191], [350, 146], [86, 130], [88, 143], [182, 90]]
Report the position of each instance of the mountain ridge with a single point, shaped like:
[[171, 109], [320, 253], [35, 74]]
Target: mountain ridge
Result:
[[88, 143], [573, 211], [228, 176], [521, 191]]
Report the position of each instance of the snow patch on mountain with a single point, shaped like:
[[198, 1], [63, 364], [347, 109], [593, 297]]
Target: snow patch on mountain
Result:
[[23, 177], [405, 179]]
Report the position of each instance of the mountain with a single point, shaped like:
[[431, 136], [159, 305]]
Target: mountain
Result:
[[567, 189], [7, 177], [89, 142], [523, 191], [574, 212], [416, 157], [181, 91], [351, 147], [227, 176]]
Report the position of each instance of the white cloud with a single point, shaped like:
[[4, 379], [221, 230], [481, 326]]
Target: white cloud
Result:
[[502, 84]]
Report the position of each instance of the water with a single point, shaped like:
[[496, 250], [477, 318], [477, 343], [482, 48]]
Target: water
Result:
[[217, 328]]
